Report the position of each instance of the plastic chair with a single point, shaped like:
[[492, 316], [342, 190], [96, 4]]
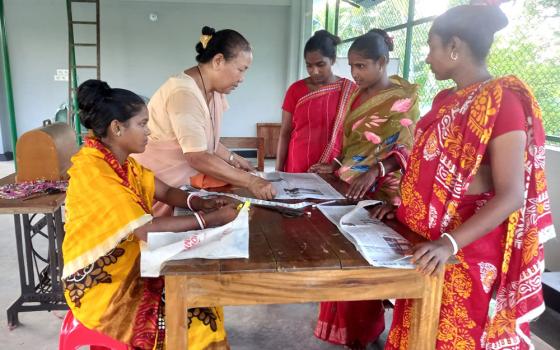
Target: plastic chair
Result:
[[73, 334]]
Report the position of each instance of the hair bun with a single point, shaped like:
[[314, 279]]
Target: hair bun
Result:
[[493, 17], [386, 38], [205, 31], [208, 30], [326, 34], [91, 93]]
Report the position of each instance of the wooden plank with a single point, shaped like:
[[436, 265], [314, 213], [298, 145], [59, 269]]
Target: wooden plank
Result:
[[261, 258], [240, 142], [175, 314], [425, 313], [295, 243], [190, 266], [300, 286], [43, 204], [271, 133]]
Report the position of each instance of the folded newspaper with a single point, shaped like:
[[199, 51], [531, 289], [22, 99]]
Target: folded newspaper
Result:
[[379, 244], [224, 242]]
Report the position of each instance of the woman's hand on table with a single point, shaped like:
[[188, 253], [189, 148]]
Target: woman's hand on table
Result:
[[430, 257], [221, 216], [212, 203], [261, 188], [362, 183], [383, 211], [322, 168]]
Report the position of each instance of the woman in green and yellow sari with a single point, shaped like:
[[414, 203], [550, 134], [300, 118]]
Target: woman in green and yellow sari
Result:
[[377, 139], [108, 214]]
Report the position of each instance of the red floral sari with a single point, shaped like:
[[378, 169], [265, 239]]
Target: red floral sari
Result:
[[450, 143], [317, 123]]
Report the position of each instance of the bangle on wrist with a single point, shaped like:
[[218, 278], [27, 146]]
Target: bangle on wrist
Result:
[[201, 216], [199, 220], [453, 242], [381, 169], [189, 198]]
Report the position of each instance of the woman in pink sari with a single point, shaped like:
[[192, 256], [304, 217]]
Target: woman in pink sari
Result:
[[313, 109]]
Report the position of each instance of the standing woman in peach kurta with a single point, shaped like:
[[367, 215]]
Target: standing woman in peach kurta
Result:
[[185, 116]]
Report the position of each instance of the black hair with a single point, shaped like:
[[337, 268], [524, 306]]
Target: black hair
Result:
[[323, 42], [228, 42], [474, 24], [374, 44], [99, 105]]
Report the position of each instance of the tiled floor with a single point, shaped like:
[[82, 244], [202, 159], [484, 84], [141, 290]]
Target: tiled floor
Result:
[[249, 328]]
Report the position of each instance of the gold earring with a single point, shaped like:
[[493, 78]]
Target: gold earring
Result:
[[454, 56]]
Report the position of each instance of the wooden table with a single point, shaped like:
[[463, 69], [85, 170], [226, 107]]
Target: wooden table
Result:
[[297, 260], [40, 269]]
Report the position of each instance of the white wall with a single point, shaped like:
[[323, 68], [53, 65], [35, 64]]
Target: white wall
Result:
[[552, 248], [139, 55]]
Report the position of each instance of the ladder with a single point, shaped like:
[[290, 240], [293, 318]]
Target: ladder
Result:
[[89, 7]]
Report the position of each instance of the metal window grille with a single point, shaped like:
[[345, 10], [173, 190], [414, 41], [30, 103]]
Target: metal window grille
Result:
[[528, 48]]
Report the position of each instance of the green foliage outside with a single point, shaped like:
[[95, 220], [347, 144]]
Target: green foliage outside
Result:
[[529, 47]]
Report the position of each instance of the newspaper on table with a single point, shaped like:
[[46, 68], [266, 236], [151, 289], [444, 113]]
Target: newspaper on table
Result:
[[379, 244], [224, 242], [300, 186]]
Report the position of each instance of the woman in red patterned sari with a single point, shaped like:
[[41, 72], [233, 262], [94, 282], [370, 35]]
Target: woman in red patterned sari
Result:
[[313, 110], [480, 194]]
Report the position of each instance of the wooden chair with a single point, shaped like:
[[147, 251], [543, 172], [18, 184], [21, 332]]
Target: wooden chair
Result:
[[237, 143]]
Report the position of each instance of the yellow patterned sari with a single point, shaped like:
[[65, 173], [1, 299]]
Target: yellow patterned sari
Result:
[[105, 203]]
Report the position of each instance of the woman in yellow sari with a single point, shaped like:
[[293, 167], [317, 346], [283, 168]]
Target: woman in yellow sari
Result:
[[375, 147], [108, 214]]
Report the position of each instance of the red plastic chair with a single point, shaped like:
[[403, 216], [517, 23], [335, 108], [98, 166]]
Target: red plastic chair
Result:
[[73, 334]]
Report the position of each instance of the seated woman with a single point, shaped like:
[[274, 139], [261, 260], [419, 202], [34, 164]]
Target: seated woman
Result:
[[314, 109], [475, 187], [108, 214], [185, 117], [375, 147]]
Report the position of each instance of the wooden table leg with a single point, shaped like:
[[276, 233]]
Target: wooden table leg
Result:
[[425, 315], [175, 314]]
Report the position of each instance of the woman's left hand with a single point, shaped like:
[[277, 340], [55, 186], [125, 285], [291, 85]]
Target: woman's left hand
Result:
[[431, 257], [242, 163], [210, 204]]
